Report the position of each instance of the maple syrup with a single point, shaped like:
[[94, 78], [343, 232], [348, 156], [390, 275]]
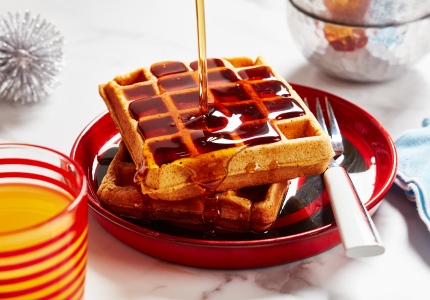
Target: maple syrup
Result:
[[202, 62], [234, 119], [210, 63], [257, 73], [220, 76], [166, 151], [186, 101], [176, 83], [147, 107], [169, 67]]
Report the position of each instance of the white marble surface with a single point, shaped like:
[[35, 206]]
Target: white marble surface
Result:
[[106, 38]]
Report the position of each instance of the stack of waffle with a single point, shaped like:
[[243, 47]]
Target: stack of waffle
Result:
[[230, 168]]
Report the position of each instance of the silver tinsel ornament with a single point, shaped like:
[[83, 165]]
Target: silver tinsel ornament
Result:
[[31, 56]]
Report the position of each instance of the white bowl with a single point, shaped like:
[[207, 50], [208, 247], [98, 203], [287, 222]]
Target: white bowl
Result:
[[359, 53]]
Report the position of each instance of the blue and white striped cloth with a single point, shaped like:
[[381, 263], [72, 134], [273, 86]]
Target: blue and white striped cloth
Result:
[[413, 174]]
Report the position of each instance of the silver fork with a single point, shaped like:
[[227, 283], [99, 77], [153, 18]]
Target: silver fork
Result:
[[357, 230]]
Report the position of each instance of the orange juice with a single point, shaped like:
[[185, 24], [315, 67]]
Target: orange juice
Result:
[[42, 249], [25, 205]]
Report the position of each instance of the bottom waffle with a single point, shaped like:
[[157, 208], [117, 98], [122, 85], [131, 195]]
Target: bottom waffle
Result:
[[247, 209]]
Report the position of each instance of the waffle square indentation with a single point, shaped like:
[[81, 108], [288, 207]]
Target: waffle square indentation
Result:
[[184, 101], [221, 76], [177, 82], [167, 151], [157, 127], [147, 107], [168, 67], [271, 88], [234, 93], [206, 141], [283, 108], [210, 63], [257, 73]]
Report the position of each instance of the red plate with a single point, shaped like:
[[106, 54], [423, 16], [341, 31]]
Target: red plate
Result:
[[305, 227]]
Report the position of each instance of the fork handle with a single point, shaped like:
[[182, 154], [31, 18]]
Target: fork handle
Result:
[[357, 231]]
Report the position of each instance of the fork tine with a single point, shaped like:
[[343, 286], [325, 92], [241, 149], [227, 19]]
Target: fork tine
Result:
[[306, 101], [320, 116], [335, 135]]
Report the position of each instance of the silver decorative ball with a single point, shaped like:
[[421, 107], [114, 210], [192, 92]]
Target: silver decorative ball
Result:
[[31, 56], [364, 53]]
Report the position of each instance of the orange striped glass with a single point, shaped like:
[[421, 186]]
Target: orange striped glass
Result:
[[43, 224]]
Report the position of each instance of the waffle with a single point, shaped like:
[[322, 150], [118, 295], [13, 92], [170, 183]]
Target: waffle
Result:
[[259, 130], [248, 209]]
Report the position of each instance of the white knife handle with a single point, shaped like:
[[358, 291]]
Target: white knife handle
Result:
[[357, 231]]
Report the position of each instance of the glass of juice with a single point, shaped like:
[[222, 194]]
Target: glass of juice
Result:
[[43, 224]]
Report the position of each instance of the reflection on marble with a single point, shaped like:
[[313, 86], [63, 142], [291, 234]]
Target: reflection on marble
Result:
[[106, 38]]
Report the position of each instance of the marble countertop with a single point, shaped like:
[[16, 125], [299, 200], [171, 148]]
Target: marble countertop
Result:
[[106, 38]]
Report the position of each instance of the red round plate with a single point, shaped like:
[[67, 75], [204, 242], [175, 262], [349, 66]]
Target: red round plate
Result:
[[304, 229]]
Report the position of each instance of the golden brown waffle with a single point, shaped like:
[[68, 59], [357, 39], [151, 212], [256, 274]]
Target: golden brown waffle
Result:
[[259, 131], [248, 209]]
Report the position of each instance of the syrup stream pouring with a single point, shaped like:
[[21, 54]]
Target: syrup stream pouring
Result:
[[202, 62], [357, 231]]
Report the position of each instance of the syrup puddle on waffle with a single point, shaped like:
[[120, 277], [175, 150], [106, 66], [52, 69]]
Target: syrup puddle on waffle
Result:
[[235, 119]]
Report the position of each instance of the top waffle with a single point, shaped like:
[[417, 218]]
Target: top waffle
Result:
[[259, 131]]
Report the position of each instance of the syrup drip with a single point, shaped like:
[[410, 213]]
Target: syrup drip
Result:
[[212, 173], [211, 213], [202, 62]]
